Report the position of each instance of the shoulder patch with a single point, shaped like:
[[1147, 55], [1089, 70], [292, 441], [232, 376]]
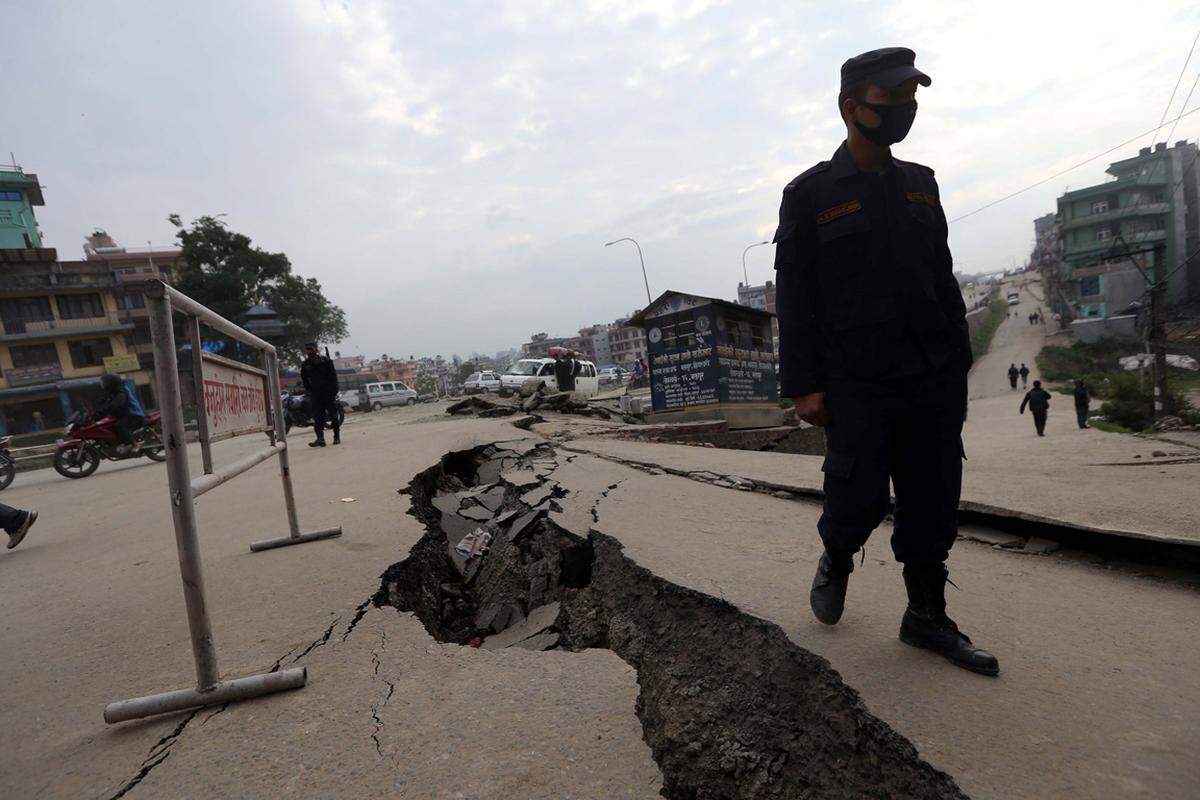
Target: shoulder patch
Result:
[[923, 197], [816, 169], [830, 214]]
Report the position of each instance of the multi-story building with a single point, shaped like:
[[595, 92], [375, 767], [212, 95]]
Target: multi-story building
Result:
[[598, 344], [130, 266], [539, 345], [1152, 197], [763, 298], [627, 343], [1046, 259], [19, 193], [61, 325]]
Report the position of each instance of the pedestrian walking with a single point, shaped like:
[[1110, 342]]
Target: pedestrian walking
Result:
[[320, 380], [1038, 400], [1083, 401], [890, 389], [1013, 374], [16, 523], [1024, 371]]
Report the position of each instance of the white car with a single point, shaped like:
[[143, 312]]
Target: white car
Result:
[[587, 382], [482, 382], [611, 375], [349, 398], [390, 393]]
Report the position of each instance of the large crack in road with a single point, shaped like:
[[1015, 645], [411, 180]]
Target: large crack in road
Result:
[[729, 706]]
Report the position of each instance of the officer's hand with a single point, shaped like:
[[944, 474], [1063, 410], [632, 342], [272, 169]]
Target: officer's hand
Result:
[[811, 409]]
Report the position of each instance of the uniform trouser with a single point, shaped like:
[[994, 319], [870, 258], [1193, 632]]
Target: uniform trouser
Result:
[[1039, 421], [1081, 415], [910, 433], [125, 426], [322, 408], [10, 518]]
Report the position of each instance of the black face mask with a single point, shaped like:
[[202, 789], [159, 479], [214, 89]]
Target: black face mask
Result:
[[895, 121]]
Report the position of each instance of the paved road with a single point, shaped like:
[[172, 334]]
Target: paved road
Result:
[[1016, 342]]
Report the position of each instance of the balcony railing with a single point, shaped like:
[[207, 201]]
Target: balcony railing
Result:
[[1134, 209], [30, 329], [52, 280]]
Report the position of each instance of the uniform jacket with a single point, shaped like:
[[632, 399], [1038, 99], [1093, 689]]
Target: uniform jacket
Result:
[[1082, 398], [319, 377], [1038, 401], [865, 288]]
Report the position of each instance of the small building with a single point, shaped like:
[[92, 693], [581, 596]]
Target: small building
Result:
[[710, 359]]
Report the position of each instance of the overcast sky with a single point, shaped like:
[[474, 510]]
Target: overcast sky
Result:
[[450, 171]]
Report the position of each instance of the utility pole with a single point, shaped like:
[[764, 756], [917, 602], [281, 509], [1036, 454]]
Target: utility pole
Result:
[[1158, 334]]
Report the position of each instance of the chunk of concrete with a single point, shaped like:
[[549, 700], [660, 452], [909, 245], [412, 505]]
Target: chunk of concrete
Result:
[[476, 513], [522, 524], [520, 478], [543, 641], [995, 538], [535, 496], [1041, 547], [539, 620]]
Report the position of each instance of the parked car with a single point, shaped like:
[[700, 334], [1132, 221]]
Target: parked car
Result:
[[614, 375], [349, 398], [482, 382], [1014, 299], [587, 382], [391, 393]]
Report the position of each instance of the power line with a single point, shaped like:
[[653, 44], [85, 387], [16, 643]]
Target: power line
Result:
[[1011, 195], [1167, 108], [1185, 102]]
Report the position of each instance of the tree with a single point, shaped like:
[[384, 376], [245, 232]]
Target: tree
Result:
[[465, 369], [425, 384], [224, 271]]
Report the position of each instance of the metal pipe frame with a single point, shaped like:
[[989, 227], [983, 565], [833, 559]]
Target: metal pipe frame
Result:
[[271, 364], [161, 300], [179, 480], [186, 305], [198, 390], [223, 692], [215, 479]]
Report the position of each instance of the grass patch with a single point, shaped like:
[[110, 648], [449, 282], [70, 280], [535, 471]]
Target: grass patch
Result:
[[981, 340], [1127, 396], [1105, 425]]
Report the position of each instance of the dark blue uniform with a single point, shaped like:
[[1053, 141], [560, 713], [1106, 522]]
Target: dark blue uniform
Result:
[[870, 313]]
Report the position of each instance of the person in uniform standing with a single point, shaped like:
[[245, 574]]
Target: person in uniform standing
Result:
[[1083, 401], [1038, 400], [320, 381], [1024, 375], [1013, 374], [874, 346]]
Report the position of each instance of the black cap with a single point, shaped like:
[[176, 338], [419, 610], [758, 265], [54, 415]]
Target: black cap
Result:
[[886, 67]]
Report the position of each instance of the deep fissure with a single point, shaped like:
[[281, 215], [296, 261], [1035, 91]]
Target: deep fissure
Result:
[[729, 706]]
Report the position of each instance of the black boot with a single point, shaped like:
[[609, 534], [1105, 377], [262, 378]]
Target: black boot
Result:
[[926, 624], [337, 436], [828, 594], [318, 442]]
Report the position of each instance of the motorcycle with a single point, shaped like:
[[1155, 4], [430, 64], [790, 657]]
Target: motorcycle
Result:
[[8, 468], [297, 412], [88, 440]]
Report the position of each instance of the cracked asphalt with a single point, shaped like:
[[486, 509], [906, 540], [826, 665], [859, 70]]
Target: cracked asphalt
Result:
[[1097, 696]]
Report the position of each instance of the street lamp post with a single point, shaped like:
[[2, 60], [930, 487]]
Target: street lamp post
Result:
[[745, 275], [649, 300]]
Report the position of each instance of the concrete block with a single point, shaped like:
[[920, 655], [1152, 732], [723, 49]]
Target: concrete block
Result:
[[1040, 546]]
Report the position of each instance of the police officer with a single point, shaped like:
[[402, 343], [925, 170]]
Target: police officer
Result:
[[874, 346], [321, 383]]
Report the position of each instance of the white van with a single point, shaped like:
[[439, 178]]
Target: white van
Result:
[[587, 382], [390, 393]]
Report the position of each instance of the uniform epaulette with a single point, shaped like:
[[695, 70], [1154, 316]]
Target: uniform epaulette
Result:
[[819, 167], [913, 164]]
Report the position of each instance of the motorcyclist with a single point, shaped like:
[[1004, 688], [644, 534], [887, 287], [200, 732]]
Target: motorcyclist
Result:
[[122, 404], [320, 380]]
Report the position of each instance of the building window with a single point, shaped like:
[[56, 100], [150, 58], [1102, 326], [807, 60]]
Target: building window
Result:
[[141, 334], [26, 309], [89, 352], [1100, 207], [1089, 286], [80, 306], [1103, 233], [131, 300], [7, 195], [34, 355]]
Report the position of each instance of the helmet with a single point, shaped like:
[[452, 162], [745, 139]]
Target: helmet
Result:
[[112, 383]]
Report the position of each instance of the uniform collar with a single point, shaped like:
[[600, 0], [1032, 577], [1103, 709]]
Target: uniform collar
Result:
[[843, 165]]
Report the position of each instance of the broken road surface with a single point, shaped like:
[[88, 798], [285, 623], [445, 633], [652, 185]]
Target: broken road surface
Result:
[[1090, 703]]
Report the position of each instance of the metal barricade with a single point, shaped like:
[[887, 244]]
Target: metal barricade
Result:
[[231, 399]]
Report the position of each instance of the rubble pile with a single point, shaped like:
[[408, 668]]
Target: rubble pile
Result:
[[533, 397], [730, 707]]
